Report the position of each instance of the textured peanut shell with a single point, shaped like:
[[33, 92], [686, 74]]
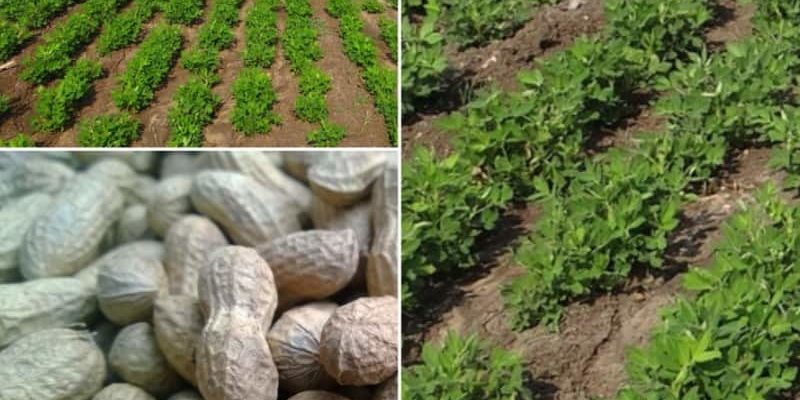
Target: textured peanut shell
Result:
[[16, 217], [387, 390], [53, 364], [186, 395], [42, 304], [359, 341], [170, 202], [259, 166], [122, 391], [238, 295], [33, 174], [66, 238], [296, 163], [178, 164], [136, 358], [357, 217], [247, 211], [188, 244], [311, 265], [140, 161], [133, 225], [178, 322], [294, 342], [138, 250], [382, 264], [137, 189], [127, 289], [317, 395], [344, 178]]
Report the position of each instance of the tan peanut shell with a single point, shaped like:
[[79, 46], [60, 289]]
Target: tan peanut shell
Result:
[[16, 217], [387, 390], [311, 265], [294, 342], [259, 166], [359, 341], [133, 225], [247, 211], [178, 164], [178, 322], [127, 289], [382, 264], [357, 217], [46, 303], [344, 178], [137, 189], [140, 161], [138, 250], [317, 395], [52, 364], [237, 293], [296, 163], [186, 395], [188, 243], [122, 391], [66, 238], [136, 358], [170, 202], [33, 174]]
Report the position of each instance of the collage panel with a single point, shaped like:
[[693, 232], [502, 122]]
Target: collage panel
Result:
[[599, 199], [213, 275], [198, 73]]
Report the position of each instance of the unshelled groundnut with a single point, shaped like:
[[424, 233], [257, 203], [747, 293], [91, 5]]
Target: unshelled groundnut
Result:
[[127, 289], [238, 295], [141, 161], [382, 265], [66, 238], [34, 174], [136, 358], [132, 225], [31, 306], [122, 391], [53, 364], [15, 218], [143, 249], [344, 178], [188, 243], [248, 212], [186, 395], [359, 341], [170, 203], [357, 217], [317, 395], [294, 341], [311, 265], [387, 390], [178, 322]]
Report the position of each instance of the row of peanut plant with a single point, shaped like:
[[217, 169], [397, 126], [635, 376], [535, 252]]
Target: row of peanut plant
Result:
[[380, 80], [20, 18]]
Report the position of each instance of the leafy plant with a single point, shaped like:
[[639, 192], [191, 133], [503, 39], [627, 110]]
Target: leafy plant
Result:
[[327, 135], [373, 6], [184, 12], [477, 22], [311, 107], [388, 29], [33, 14], [55, 107], [194, 107], [424, 62], [202, 62], [11, 38], [21, 140], [125, 29], [255, 97], [114, 130], [465, 368], [261, 30], [5, 104]]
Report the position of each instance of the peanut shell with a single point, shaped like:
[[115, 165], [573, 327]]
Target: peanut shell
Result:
[[169, 203], [122, 391], [344, 178], [317, 395], [16, 217], [178, 164], [178, 322], [382, 265], [387, 390], [136, 358], [133, 225], [188, 243], [357, 217], [33, 174], [127, 289], [138, 250]]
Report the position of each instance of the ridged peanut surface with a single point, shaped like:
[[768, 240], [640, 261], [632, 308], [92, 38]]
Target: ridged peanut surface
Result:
[[34, 174], [317, 395], [359, 341], [140, 249], [54, 364], [122, 391], [188, 243], [170, 203], [247, 211], [136, 358], [238, 294], [344, 178], [41, 304], [382, 264], [178, 322], [387, 390], [127, 289], [66, 238], [294, 341], [16, 217], [132, 225], [357, 217], [312, 265]]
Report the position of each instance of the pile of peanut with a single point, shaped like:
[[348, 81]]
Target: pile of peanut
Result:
[[212, 275]]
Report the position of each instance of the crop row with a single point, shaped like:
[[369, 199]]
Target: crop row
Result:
[[388, 29], [51, 58], [361, 50], [195, 104], [19, 17], [517, 144], [125, 28], [55, 107]]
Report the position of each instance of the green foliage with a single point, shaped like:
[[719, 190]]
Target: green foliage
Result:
[[11, 38], [300, 40], [327, 135], [5, 104], [148, 68], [194, 107], [476, 22], [125, 29], [465, 368], [185, 12], [254, 97], [56, 106], [33, 14], [388, 30], [382, 84], [21, 140], [202, 62], [261, 30], [424, 62], [311, 107], [114, 130], [373, 6]]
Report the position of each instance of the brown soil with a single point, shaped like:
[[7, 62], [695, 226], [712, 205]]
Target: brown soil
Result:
[[350, 105]]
